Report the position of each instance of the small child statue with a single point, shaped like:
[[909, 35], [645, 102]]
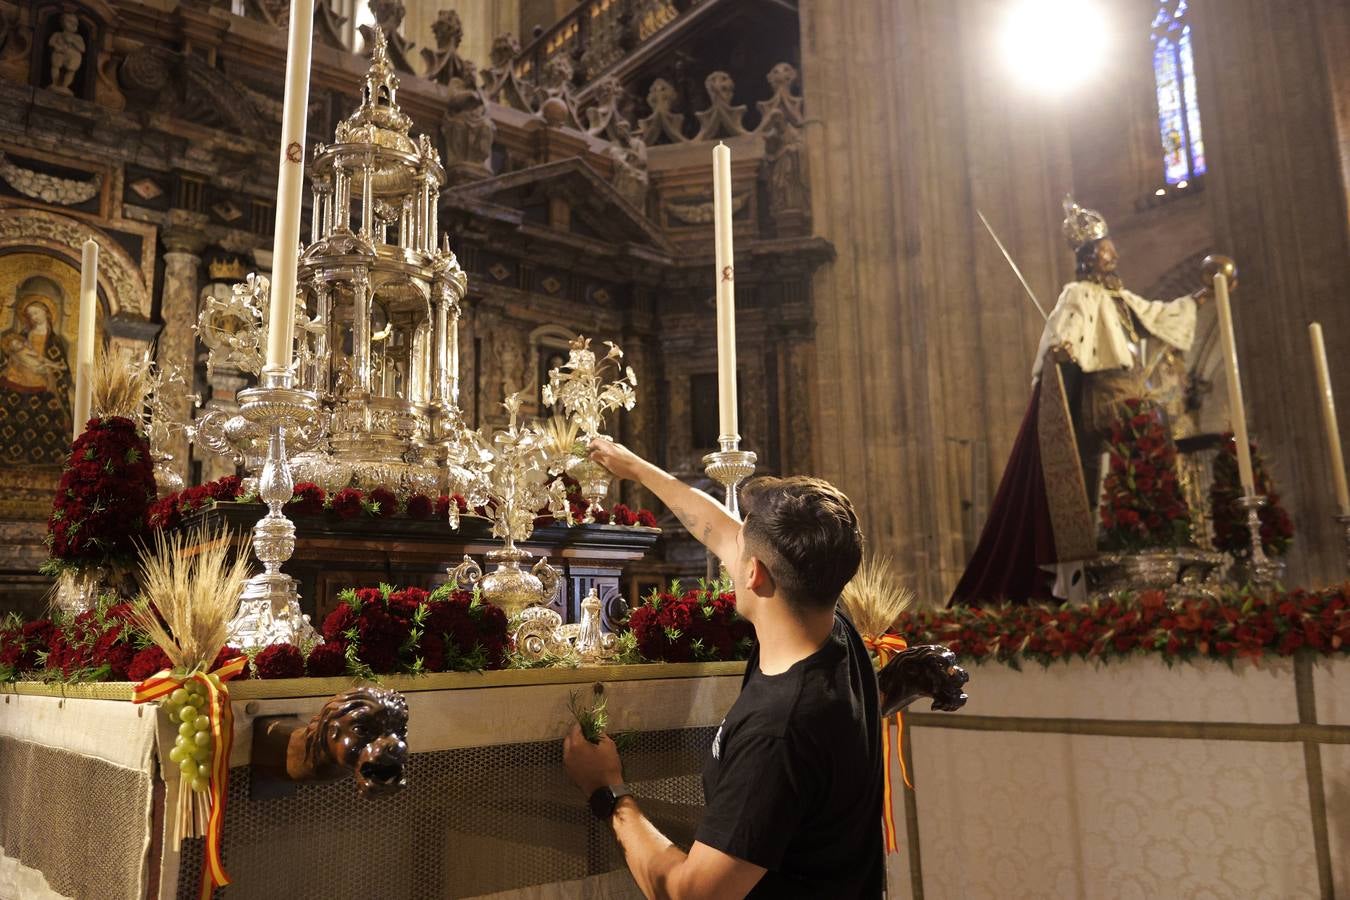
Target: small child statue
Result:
[[67, 53]]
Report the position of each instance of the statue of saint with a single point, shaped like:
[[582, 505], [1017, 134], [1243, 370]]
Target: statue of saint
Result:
[[67, 48], [1093, 356]]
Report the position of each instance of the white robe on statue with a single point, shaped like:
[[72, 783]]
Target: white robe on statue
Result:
[[1085, 320]]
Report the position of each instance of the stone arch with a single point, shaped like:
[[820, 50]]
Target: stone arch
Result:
[[120, 283], [545, 341]]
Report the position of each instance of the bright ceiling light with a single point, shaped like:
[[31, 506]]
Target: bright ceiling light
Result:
[[1054, 46]]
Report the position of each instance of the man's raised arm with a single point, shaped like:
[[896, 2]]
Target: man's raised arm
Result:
[[707, 520]]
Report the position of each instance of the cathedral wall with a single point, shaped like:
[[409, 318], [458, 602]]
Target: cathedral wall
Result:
[[924, 337]]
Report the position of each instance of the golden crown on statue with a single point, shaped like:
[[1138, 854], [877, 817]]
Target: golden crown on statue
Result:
[[227, 268]]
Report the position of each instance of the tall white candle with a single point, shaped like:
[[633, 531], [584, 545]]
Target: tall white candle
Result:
[[726, 293], [290, 183], [84, 350], [1319, 350], [1236, 411]]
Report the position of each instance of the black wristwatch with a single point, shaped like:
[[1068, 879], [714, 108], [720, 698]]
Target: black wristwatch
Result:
[[606, 799]]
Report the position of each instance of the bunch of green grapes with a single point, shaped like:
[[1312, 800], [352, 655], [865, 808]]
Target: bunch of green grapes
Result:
[[186, 707]]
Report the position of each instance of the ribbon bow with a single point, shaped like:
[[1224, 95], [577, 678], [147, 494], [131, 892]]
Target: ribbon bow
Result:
[[886, 646], [222, 732]]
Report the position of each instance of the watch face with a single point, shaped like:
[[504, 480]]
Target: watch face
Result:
[[605, 799], [603, 802]]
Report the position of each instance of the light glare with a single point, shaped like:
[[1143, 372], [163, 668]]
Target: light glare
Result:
[[1054, 46]]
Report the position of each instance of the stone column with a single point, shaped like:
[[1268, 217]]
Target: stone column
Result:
[[183, 243], [922, 333]]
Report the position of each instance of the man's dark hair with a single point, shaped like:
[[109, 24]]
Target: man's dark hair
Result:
[[1085, 259], [806, 533]]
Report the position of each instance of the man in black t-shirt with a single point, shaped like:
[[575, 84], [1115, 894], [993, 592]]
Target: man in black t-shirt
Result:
[[793, 782]]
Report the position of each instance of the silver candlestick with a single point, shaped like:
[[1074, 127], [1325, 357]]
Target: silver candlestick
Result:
[[1344, 521], [728, 466], [269, 608], [1262, 571]]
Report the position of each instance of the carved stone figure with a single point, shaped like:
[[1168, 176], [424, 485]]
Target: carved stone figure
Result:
[[926, 670], [389, 19], [444, 64], [781, 78], [466, 130], [630, 165], [721, 119], [664, 122], [362, 732], [557, 106], [500, 83], [602, 120], [785, 162], [67, 48]]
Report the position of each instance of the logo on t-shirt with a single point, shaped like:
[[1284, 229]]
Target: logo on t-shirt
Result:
[[717, 742]]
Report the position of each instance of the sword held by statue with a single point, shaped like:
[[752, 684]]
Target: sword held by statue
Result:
[[1016, 271]]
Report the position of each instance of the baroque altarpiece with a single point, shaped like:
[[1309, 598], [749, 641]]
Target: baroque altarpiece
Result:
[[578, 201]]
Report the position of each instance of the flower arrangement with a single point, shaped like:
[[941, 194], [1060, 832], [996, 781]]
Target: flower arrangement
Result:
[[1239, 625], [23, 646], [99, 510], [168, 511], [1231, 533], [382, 630], [1142, 506], [96, 645], [699, 624]]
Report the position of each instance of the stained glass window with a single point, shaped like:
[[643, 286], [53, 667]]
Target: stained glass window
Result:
[[1178, 110]]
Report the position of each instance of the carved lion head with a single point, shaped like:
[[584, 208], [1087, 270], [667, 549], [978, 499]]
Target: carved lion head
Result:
[[363, 731]]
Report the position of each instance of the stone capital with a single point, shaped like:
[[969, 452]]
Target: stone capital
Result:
[[184, 232]]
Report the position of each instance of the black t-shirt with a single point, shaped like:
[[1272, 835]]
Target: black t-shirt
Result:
[[794, 783]]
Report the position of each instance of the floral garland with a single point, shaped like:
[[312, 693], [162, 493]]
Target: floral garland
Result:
[[309, 500], [1143, 507], [383, 630], [1231, 533], [1239, 625], [695, 625], [99, 509], [168, 512], [100, 644]]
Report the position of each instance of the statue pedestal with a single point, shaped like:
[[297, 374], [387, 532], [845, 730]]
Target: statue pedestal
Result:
[[1186, 568]]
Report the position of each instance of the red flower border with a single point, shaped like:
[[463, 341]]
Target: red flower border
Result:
[[1239, 625]]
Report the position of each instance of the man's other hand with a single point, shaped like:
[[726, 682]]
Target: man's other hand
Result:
[[591, 766], [617, 458]]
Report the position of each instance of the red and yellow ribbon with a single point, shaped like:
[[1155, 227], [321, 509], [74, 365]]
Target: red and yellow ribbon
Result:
[[221, 718], [885, 646]]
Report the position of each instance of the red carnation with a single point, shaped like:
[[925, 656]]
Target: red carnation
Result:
[[279, 661], [225, 489], [646, 518], [147, 663], [347, 503], [306, 500], [420, 506], [327, 660], [226, 655], [385, 502], [622, 515]]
